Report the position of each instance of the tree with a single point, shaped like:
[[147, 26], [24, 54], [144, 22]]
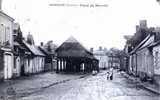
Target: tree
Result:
[[50, 46]]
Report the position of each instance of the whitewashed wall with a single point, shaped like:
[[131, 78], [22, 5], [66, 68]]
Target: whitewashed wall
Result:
[[34, 65], [156, 56]]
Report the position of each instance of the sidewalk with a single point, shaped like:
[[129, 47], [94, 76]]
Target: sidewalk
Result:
[[151, 87], [146, 85], [27, 85]]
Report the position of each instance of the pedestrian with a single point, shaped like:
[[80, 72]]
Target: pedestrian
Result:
[[108, 75], [111, 73]]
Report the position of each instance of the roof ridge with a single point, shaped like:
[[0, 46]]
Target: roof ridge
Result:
[[71, 39]]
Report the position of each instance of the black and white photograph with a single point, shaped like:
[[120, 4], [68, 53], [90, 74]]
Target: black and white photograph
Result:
[[79, 49]]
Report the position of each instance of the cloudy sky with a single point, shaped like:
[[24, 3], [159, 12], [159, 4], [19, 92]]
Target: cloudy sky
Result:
[[92, 26]]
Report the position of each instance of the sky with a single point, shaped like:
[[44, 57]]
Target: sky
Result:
[[92, 26]]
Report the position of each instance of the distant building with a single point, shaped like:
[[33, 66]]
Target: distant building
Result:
[[102, 55], [113, 61]]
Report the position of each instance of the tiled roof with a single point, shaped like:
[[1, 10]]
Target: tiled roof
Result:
[[72, 48], [34, 49], [137, 47]]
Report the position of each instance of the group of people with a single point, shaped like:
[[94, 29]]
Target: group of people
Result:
[[109, 73]]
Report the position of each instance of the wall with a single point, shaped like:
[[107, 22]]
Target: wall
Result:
[[6, 27], [145, 63], [17, 66], [34, 65], [1, 66], [103, 59], [8, 65], [156, 57]]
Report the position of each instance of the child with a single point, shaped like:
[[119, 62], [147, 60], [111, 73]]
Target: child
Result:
[[108, 74]]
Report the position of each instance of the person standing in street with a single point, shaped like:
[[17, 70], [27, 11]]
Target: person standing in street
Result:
[[111, 73]]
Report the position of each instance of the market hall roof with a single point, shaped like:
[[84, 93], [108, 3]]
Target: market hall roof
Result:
[[72, 48]]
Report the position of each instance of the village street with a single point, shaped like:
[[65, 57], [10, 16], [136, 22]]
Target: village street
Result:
[[92, 88]]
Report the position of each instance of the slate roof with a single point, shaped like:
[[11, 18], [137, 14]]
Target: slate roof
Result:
[[137, 47], [72, 48]]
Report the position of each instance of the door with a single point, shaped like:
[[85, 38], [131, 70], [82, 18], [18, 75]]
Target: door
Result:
[[7, 66]]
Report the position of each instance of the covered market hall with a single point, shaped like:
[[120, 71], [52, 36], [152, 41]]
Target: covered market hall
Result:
[[73, 57]]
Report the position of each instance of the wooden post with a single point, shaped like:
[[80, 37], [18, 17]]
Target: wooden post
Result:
[[65, 65], [57, 66], [62, 65]]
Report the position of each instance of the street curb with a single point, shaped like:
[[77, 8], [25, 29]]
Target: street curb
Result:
[[145, 87], [150, 89]]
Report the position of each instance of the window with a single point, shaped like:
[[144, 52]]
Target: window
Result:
[[7, 30], [4, 34]]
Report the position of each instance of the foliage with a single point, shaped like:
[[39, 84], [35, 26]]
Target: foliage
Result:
[[50, 46]]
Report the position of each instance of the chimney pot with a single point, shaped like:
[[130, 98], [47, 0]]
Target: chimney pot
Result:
[[41, 43], [91, 50], [100, 48]]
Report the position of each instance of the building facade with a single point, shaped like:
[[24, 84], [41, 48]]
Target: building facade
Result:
[[34, 62], [141, 58], [6, 45], [102, 56]]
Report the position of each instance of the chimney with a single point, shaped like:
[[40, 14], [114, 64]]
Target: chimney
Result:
[[143, 23], [157, 29], [91, 50], [41, 43], [100, 48], [137, 28]]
